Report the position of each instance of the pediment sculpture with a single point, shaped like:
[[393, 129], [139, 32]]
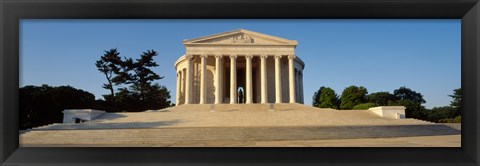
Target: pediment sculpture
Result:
[[242, 38]]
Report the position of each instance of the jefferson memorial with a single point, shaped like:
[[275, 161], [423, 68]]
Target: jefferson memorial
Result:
[[215, 77], [239, 66]]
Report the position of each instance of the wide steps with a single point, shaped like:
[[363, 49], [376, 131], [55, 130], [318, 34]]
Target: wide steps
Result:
[[159, 135], [239, 107], [238, 122], [224, 115]]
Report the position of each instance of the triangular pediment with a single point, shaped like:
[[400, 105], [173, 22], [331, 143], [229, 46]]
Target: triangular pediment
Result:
[[240, 37]]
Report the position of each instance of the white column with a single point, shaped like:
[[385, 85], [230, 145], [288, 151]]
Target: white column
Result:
[[297, 85], [248, 70], [203, 79], [301, 87], [188, 79], [263, 79], [291, 78], [222, 79], [233, 79], [177, 96], [182, 86], [218, 79], [278, 83]]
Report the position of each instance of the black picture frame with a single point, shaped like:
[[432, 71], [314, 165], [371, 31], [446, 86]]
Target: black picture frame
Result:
[[13, 10]]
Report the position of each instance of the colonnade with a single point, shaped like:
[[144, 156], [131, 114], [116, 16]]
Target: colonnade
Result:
[[184, 79]]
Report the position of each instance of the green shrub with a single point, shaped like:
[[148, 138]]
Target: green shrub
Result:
[[364, 106], [457, 119]]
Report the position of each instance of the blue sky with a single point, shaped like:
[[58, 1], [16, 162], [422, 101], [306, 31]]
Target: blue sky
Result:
[[381, 55]]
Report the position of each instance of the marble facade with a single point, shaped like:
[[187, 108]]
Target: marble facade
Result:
[[239, 66]]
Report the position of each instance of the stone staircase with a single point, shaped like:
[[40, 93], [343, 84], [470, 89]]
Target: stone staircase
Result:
[[39, 127], [236, 115], [239, 107], [174, 136], [239, 122]]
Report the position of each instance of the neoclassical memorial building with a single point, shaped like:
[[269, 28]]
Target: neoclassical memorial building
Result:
[[239, 66]]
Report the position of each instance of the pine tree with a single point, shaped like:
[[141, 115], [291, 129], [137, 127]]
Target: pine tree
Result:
[[109, 65]]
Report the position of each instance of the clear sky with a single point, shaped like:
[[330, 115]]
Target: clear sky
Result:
[[381, 55]]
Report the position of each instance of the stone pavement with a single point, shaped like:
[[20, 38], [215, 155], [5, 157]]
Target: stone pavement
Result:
[[243, 125]]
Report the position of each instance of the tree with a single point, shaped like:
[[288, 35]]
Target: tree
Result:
[[411, 100], [457, 100], [325, 97], [404, 93], [437, 113], [446, 113], [352, 96], [412, 109], [158, 97], [381, 98], [42, 105], [128, 101], [135, 77], [108, 64], [138, 73], [316, 97], [30, 99]]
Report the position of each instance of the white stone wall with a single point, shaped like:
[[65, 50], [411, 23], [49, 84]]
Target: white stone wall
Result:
[[69, 115], [392, 112]]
